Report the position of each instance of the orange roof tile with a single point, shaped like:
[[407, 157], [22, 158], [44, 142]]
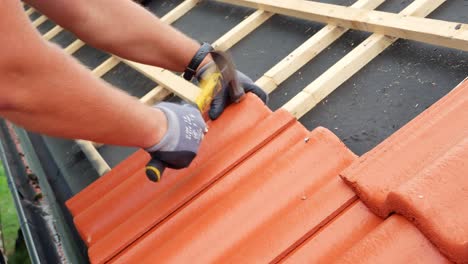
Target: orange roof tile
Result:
[[352, 225], [359, 236], [264, 189], [420, 172], [259, 153], [396, 240], [190, 185], [283, 201]]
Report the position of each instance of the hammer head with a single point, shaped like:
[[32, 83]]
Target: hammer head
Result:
[[226, 65]]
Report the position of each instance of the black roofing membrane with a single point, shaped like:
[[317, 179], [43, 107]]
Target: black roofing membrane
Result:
[[46, 26], [210, 20], [128, 79], [64, 38], [34, 15]]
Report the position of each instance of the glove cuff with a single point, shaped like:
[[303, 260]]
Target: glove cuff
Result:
[[170, 139], [197, 59]]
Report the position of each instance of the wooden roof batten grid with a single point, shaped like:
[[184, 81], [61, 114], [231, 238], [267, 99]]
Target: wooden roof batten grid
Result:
[[387, 28], [351, 63], [432, 31]]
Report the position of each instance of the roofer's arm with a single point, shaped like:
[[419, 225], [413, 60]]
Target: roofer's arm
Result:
[[123, 28], [127, 30], [45, 90]]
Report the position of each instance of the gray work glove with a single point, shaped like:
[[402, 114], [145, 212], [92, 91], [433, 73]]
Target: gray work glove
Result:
[[185, 130], [222, 99]]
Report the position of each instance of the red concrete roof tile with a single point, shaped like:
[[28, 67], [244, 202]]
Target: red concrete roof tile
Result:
[[396, 240], [259, 210], [192, 185], [352, 225], [420, 172], [264, 189], [359, 236], [263, 168], [112, 206], [88, 196]]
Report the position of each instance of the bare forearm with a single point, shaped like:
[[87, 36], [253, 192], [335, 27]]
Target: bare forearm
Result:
[[123, 28], [55, 95]]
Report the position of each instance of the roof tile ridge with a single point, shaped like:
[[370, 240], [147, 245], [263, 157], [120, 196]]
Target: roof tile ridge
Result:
[[455, 250]]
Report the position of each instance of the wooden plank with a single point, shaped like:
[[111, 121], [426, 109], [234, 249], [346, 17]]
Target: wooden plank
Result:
[[242, 29], [179, 11], [155, 95], [76, 45], [436, 32], [39, 21], [52, 33], [336, 75], [307, 51], [106, 66], [184, 89], [30, 11], [97, 161]]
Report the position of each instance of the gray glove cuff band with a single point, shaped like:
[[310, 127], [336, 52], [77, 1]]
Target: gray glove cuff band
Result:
[[171, 138]]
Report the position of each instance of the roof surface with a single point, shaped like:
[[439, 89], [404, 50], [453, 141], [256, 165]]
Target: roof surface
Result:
[[394, 88], [264, 189]]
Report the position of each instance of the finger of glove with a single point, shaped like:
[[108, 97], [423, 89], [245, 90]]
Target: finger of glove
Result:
[[251, 87], [219, 103]]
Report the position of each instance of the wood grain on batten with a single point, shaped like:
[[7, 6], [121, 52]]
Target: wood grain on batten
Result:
[[436, 32]]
